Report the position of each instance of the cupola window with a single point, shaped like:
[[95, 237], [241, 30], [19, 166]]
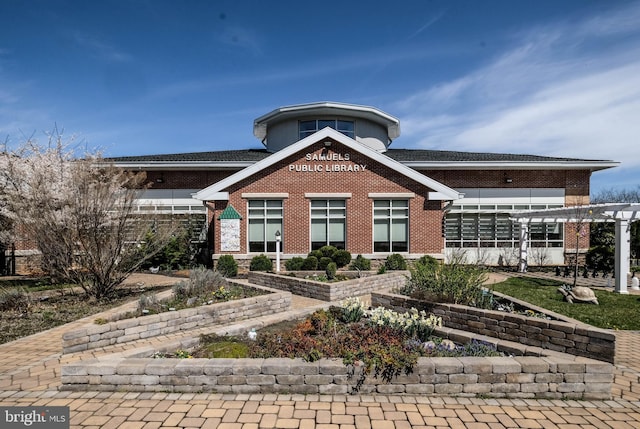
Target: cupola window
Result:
[[306, 128]]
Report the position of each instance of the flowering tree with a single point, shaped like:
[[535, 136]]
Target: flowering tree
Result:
[[80, 212]]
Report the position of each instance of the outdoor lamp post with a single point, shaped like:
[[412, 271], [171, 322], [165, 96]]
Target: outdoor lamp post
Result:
[[278, 238]]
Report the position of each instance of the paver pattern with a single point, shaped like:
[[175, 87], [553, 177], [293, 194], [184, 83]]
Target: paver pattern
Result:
[[30, 375]]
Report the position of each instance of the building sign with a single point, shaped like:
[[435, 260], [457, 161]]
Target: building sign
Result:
[[328, 163], [230, 235]]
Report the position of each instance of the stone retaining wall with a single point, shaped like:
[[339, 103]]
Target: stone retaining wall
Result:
[[569, 336], [517, 377], [329, 291], [132, 329]]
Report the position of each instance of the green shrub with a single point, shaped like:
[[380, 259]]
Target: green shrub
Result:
[[395, 261], [227, 266], [361, 264], [323, 262], [601, 258], [178, 253], [260, 263], [341, 257], [382, 269], [316, 253], [331, 270], [310, 263], [328, 251], [428, 261], [294, 264], [454, 283]]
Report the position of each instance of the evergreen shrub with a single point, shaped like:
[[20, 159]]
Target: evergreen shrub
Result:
[[310, 263], [328, 251], [261, 263], [395, 261], [227, 266], [361, 263], [294, 264], [331, 270], [323, 262], [341, 257]]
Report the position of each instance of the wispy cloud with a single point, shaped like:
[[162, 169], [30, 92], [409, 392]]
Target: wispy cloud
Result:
[[100, 49], [568, 89], [432, 20]]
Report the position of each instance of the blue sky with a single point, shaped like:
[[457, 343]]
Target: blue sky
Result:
[[556, 78]]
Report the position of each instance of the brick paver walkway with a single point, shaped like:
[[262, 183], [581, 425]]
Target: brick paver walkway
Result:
[[30, 370]]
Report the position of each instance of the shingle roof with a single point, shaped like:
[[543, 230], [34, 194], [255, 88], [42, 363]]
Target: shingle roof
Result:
[[400, 155], [248, 155], [406, 155]]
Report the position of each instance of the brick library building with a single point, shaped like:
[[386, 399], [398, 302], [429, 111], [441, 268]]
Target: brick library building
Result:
[[326, 174]]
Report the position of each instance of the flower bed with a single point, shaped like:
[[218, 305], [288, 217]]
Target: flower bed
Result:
[[558, 333], [552, 376], [132, 329], [539, 374]]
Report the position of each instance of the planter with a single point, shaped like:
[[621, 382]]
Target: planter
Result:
[[329, 291], [558, 333], [94, 336]]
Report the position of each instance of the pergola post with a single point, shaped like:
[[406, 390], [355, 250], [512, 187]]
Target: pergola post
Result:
[[524, 242], [623, 238]]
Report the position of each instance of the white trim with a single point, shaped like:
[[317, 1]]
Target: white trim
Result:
[[514, 165], [439, 196], [327, 195], [210, 193], [214, 196], [391, 195], [265, 195]]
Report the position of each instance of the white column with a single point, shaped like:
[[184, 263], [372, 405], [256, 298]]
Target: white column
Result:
[[524, 243], [623, 237]]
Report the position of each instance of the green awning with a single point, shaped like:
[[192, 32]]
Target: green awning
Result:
[[229, 213]]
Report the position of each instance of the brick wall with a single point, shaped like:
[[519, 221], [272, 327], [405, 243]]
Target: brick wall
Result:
[[518, 377], [136, 328], [425, 216], [328, 291]]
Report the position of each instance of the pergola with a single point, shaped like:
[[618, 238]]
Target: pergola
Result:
[[620, 213]]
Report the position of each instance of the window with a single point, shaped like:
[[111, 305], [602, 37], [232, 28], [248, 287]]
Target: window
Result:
[[494, 228], [328, 223], [306, 128], [265, 218], [391, 226]]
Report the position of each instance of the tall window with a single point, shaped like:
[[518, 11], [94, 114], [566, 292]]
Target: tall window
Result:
[[307, 128], [391, 226], [328, 223], [265, 218]]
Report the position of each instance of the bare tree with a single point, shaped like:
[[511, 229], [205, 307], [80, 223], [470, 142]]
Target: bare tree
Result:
[[540, 256], [80, 212], [508, 256], [581, 220]]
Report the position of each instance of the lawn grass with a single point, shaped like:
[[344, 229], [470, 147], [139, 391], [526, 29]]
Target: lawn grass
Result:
[[616, 311]]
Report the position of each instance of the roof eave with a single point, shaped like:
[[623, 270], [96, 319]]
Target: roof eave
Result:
[[178, 165], [442, 191], [513, 165]]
